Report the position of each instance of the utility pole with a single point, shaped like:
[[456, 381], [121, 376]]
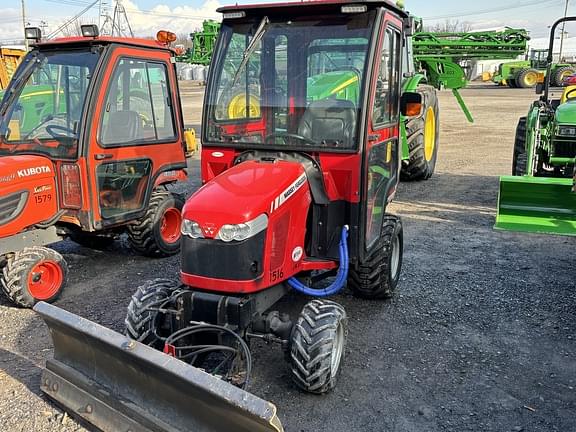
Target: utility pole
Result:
[[562, 32], [24, 24]]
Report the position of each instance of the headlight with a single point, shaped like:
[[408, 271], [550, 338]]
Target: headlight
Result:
[[566, 131], [191, 229], [243, 231]]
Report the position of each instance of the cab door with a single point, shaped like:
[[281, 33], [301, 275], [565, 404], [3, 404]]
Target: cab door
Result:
[[138, 133], [382, 155]]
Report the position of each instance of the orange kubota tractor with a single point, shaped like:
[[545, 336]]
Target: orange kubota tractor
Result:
[[91, 137]]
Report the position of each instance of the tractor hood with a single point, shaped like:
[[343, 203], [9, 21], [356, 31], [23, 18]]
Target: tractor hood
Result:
[[21, 168], [566, 113], [244, 192]]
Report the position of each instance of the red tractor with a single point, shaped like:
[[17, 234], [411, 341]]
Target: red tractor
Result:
[[91, 137], [300, 157]]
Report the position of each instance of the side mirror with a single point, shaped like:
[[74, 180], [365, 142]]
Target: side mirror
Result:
[[539, 88], [411, 104]]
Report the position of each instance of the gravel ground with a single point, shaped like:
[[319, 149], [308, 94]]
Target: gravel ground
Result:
[[480, 336]]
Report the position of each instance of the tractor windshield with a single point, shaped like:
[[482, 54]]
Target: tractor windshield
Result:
[[289, 81], [42, 108]]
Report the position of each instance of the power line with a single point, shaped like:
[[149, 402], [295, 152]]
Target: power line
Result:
[[491, 10]]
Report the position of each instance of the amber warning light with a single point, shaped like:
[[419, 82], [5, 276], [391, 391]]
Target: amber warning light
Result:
[[165, 37]]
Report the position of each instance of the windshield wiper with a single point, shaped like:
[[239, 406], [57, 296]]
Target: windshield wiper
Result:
[[258, 34], [18, 84]]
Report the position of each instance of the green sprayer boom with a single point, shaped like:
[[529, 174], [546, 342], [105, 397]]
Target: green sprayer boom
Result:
[[486, 45], [439, 55]]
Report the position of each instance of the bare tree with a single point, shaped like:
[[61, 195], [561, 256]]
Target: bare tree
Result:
[[449, 26]]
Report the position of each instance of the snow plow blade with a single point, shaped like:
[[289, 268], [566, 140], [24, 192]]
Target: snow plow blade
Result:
[[537, 204], [118, 384]]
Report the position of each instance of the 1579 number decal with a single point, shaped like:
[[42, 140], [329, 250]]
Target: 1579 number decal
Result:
[[42, 199]]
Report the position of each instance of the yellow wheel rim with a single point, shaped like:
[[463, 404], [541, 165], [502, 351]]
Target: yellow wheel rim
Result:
[[429, 134], [530, 79], [237, 107], [564, 75]]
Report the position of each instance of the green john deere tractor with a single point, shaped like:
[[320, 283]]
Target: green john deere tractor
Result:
[[540, 195], [527, 73]]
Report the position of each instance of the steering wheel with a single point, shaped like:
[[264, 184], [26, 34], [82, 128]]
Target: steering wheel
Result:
[[290, 135], [65, 132]]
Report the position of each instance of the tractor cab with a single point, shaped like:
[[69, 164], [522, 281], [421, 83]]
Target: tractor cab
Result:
[[538, 58], [103, 115], [316, 86], [91, 133]]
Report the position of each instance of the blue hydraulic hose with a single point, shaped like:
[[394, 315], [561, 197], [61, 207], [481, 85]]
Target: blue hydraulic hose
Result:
[[341, 276]]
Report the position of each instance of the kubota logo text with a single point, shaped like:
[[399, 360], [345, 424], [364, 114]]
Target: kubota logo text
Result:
[[33, 171]]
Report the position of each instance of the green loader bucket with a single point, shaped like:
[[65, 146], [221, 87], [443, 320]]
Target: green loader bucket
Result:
[[118, 384], [536, 204]]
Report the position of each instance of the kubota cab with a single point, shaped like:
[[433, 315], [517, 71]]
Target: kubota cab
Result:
[[91, 135], [300, 157]]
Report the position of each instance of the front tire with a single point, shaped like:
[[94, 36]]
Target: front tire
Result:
[[157, 233], [141, 317], [422, 134], [34, 274], [519, 157], [317, 345], [377, 277]]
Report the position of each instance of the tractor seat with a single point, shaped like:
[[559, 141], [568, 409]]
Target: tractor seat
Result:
[[569, 94], [123, 126], [330, 120]]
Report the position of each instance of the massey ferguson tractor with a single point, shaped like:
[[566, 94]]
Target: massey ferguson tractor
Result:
[[301, 155], [540, 195], [91, 136]]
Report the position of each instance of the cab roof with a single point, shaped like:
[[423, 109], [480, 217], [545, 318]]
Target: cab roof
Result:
[[389, 4], [102, 40]]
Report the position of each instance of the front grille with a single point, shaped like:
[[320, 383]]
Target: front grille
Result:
[[11, 206], [564, 149], [216, 259]]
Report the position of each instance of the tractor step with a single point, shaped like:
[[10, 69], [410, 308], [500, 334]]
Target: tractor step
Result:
[[536, 204], [116, 384]]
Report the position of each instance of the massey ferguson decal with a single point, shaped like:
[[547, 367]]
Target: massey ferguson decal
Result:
[[280, 199]]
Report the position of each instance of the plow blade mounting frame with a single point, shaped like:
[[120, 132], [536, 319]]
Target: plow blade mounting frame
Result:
[[118, 384]]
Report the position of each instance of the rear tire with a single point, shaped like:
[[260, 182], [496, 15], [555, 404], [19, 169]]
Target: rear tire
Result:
[[559, 75], [527, 78], [422, 133], [141, 323], [34, 274], [317, 346], [378, 276], [519, 157], [512, 83], [157, 234]]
